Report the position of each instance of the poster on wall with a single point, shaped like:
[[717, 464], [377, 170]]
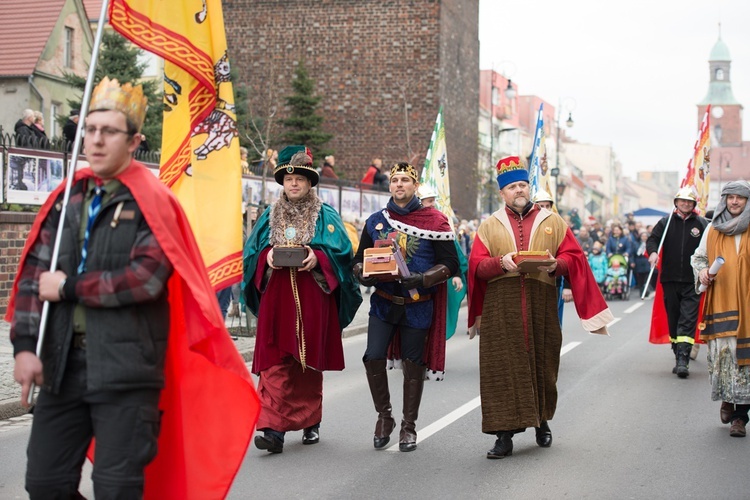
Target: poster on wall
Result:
[[253, 186], [351, 202], [330, 196], [372, 202], [3, 168], [32, 175]]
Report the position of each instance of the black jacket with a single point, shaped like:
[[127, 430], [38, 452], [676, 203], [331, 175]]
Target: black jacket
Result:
[[126, 345], [683, 237]]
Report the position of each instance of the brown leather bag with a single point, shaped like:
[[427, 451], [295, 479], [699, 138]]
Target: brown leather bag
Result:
[[289, 256]]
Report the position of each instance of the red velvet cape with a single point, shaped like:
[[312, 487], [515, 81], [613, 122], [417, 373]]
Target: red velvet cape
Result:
[[430, 219], [209, 401], [587, 297]]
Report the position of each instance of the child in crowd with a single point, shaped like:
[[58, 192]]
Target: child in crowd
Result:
[[616, 278], [598, 263]]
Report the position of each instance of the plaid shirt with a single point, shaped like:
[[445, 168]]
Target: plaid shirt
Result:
[[143, 280]]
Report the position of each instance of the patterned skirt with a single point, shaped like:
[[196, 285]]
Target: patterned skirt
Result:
[[730, 382]]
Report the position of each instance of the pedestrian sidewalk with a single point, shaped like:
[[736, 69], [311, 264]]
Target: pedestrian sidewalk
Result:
[[10, 391]]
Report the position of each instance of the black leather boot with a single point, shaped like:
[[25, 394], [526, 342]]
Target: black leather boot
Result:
[[413, 385], [543, 435], [503, 446], [271, 441], [311, 435], [377, 378], [683, 359]]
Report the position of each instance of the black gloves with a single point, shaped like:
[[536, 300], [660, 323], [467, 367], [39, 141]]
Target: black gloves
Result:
[[415, 280], [368, 281]]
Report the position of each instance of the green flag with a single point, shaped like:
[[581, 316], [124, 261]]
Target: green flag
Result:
[[435, 171]]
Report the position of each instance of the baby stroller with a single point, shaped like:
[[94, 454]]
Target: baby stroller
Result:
[[618, 279]]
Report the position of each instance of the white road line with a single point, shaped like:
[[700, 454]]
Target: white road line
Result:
[[569, 347], [464, 409], [613, 322], [633, 307]]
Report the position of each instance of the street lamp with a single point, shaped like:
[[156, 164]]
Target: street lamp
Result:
[[569, 105], [510, 92]]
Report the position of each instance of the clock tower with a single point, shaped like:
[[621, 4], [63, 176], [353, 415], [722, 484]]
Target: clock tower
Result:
[[726, 111]]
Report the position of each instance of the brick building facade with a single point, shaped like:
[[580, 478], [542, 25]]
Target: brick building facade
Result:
[[383, 70], [14, 229]]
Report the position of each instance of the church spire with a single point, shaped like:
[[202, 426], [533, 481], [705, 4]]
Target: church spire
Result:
[[720, 84]]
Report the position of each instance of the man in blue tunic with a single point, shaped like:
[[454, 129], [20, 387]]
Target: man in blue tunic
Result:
[[425, 239]]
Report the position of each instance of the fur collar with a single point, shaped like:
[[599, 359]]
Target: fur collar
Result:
[[302, 216]]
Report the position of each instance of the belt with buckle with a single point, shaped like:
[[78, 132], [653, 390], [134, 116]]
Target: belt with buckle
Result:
[[400, 301], [79, 341]]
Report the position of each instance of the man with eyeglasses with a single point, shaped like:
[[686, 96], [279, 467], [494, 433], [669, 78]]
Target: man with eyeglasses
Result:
[[125, 242]]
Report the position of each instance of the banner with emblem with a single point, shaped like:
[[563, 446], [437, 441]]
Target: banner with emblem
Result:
[[435, 171], [698, 174], [200, 157], [201, 443], [538, 172]]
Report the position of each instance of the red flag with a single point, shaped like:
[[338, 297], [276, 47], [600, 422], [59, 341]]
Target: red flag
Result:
[[209, 402]]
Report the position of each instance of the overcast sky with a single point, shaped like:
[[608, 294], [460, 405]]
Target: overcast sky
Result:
[[635, 70]]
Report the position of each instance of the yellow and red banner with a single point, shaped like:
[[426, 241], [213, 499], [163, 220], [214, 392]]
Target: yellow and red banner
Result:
[[698, 178], [698, 170], [200, 157]]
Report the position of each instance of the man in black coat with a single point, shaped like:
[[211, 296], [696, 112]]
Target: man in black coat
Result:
[[676, 274], [69, 129]]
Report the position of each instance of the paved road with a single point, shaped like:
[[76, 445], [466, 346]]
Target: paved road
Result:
[[10, 392], [625, 427]]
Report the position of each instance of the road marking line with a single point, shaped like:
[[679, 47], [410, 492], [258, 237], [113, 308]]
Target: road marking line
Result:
[[462, 410], [633, 307], [569, 347], [613, 322]]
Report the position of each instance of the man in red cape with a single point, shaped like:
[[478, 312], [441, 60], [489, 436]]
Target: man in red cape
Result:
[[520, 342], [208, 403]]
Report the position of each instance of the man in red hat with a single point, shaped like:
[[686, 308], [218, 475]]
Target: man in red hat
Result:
[[521, 390]]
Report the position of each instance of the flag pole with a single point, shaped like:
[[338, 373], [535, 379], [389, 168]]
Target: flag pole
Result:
[[658, 252], [71, 174]]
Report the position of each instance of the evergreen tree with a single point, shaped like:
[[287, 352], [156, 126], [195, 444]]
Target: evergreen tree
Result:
[[118, 59], [303, 124]]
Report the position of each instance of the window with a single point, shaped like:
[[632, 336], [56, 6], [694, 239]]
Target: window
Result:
[[68, 55], [52, 122], [719, 74]]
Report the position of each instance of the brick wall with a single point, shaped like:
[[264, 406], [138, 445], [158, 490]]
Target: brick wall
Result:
[[14, 228], [376, 64]]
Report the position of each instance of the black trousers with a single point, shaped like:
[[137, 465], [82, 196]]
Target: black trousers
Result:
[[681, 303], [380, 334], [124, 423]]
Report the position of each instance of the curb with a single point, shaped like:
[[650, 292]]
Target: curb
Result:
[[12, 408]]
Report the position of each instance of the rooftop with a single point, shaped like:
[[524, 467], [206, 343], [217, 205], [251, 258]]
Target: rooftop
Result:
[[25, 28]]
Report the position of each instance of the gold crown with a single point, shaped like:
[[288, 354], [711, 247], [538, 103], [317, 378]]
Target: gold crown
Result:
[[405, 168], [109, 95]]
